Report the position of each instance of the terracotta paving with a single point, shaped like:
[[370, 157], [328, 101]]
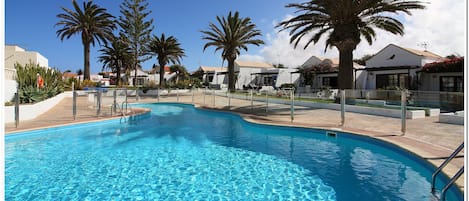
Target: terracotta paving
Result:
[[426, 137]]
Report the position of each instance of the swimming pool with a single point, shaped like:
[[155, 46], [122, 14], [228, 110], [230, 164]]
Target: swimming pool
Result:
[[179, 152]]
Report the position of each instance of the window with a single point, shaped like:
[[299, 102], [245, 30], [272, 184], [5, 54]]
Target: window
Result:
[[386, 81], [451, 83], [268, 81], [330, 82]]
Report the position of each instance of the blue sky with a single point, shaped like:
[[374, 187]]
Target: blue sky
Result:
[[30, 24], [32, 27]]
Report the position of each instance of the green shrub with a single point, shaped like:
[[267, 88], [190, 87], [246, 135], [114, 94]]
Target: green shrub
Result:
[[26, 78]]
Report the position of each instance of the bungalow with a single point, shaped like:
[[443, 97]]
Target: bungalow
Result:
[[322, 73], [396, 67], [209, 73], [446, 75], [254, 73]]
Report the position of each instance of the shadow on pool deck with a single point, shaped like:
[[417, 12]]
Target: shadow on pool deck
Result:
[[426, 137]]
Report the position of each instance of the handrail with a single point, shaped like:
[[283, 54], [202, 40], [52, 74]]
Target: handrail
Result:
[[444, 164], [455, 177]]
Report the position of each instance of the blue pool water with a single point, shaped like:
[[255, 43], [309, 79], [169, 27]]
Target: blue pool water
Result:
[[181, 153]]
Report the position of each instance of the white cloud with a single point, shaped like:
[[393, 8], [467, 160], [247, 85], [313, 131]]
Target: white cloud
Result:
[[441, 26]]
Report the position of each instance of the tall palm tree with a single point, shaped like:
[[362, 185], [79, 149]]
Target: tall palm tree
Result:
[[93, 23], [345, 22], [166, 50], [232, 35], [116, 56]]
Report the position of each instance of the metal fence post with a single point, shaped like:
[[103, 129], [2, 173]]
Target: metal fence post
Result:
[[292, 105], [158, 93], [229, 99], [266, 101], [403, 111], [213, 94], [98, 111], [125, 101], [252, 104], [192, 95], [74, 106], [136, 94], [177, 94], [114, 104], [205, 93], [342, 107], [17, 107]]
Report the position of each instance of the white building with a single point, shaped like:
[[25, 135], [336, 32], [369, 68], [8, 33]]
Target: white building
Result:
[[209, 73], [17, 55], [396, 67], [323, 73], [254, 73]]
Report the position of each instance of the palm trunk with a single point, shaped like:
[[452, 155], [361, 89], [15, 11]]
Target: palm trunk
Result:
[[345, 77], [86, 52], [231, 75], [162, 82]]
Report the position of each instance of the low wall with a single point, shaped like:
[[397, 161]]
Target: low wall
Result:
[[31, 111], [452, 118]]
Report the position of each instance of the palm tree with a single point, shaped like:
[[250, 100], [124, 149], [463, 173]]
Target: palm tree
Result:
[[232, 35], [116, 57], [345, 21], [166, 50], [93, 23]]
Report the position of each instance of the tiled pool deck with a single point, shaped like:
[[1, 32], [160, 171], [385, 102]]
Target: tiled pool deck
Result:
[[426, 137]]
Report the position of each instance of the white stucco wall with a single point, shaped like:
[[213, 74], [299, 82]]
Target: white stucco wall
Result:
[[313, 60], [15, 54], [401, 58], [28, 112], [431, 81], [9, 89], [285, 76], [244, 76]]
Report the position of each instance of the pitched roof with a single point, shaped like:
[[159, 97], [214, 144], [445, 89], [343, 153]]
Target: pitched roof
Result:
[[253, 64], [212, 69], [424, 53]]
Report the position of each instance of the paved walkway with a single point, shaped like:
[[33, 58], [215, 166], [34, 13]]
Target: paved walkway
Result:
[[426, 137]]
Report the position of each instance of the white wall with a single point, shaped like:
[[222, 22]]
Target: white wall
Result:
[[313, 60], [401, 58], [244, 76], [285, 76], [431, 81], [28, 112], [371, 76], [15, 54], [10, 89]]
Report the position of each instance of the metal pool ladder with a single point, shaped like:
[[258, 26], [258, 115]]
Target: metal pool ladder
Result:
[[453, 179], [123, 111]]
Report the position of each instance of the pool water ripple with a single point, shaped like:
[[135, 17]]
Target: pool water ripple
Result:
[[181, 153]]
